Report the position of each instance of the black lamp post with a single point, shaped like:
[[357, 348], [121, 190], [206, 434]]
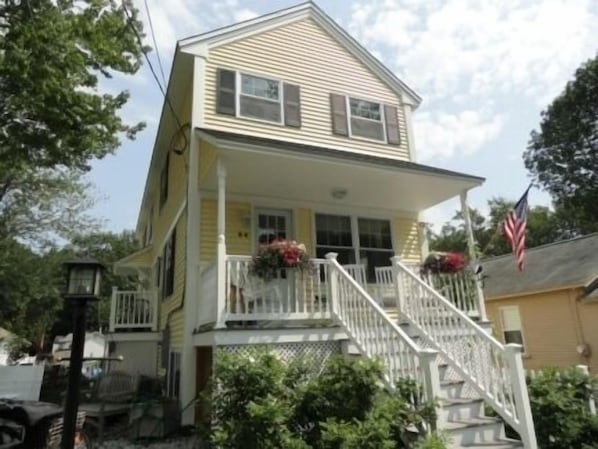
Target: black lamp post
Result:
[[82, 286]]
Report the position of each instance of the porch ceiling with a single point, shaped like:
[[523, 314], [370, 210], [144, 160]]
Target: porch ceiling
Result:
[[274, 169]]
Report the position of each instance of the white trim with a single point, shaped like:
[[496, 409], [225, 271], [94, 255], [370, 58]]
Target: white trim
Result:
[[286, 16], [134, 336], [175, 220], [407, 110], [267, 336]]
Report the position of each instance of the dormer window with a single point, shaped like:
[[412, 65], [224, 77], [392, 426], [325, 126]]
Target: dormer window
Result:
[[366, 119], [260, 98]]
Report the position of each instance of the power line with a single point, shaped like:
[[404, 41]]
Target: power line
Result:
[[149, 17], [151, 67]]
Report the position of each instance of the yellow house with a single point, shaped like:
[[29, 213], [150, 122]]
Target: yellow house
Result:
[[551, 307], [283, 127]]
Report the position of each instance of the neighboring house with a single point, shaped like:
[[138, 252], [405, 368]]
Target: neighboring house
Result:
[[283, 126], [6, 337], [551, 308], [94, 347]]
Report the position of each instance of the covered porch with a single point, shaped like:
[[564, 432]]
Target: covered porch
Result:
[[332, 201]]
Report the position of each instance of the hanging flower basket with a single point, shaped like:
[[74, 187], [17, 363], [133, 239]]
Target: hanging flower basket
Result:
[[441, 262], [279, 255]]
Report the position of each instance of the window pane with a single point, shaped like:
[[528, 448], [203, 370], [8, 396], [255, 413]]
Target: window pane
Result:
[[374, 233], [259, 87], [514, 337], [510, 318], [365, 109], [258, 108], [367, 128], [333, 230]]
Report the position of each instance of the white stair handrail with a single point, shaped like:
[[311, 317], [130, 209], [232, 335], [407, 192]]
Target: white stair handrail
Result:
[[494, 371], [376, 335]]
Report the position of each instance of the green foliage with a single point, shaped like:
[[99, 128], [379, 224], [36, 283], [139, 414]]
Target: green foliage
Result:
[[543, 226], [563, 155], [559, 403], [31, 284], [259, 401]]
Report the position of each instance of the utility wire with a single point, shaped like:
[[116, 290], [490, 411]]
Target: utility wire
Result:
[[149, 18], [149, 63]]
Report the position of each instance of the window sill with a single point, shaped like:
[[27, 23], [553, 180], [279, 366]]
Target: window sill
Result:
[[366, 139]]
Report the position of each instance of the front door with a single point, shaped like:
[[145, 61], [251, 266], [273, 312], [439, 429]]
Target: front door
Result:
[[273, 224]]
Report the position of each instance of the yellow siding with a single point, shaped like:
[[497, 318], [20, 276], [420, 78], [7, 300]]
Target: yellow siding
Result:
[[551, 327], [207, 158], [238, 229], [170, 312], [406, 239], [304, 234], [302, 53]]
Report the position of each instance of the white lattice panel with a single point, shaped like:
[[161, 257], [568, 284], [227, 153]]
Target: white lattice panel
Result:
[[314, 353]]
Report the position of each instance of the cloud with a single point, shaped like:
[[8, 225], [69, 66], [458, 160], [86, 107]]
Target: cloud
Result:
[[461, 54], [481, 46], [444, 134]]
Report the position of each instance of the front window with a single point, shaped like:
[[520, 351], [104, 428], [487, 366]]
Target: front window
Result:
[[366, 241], [260, 98], [366, 119]]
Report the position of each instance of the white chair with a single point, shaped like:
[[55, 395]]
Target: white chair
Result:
[[357, 272]]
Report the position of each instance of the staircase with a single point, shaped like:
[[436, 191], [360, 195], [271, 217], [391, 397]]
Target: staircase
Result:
[[433, 342]]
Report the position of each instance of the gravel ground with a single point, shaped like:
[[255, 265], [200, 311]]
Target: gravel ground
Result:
[[171, 443]]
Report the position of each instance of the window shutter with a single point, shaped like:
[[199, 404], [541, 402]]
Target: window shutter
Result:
[[292, 105], [226, 98], [392, 125], [338, 107]]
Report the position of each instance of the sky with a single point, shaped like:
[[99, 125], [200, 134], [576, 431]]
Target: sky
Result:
[[484, 68]]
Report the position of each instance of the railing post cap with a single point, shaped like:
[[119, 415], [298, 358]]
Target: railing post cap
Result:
[[330, 256], [395, 259], [428, 352], [514, 348]]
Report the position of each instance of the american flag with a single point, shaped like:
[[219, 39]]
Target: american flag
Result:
[[514, 229]]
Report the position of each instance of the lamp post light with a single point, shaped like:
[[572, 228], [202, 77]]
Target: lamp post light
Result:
[[83, 277]]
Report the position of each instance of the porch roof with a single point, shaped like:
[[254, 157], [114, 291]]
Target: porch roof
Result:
[[140, 259], [308, 172]]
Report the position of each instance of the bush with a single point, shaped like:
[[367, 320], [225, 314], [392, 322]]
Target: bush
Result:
[[559, 403], [261, 402]]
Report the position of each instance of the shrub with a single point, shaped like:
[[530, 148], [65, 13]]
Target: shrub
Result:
[[559, 403], [260, 402]]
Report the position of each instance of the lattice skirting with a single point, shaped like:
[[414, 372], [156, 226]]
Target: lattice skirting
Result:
[[314, 353]]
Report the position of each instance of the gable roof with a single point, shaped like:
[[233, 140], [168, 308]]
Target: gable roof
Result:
[[566, 264], [223, 35]]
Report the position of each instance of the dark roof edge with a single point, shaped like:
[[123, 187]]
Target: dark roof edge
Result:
[[546, 245], [337, 154]]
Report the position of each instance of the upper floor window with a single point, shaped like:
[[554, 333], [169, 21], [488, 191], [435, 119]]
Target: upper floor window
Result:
[[366, 119], [258, 97], [355, 117], [511, 325]]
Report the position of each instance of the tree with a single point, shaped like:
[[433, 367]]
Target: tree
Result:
[[543, 226], [563, 155], [31, 284], [53, 117]]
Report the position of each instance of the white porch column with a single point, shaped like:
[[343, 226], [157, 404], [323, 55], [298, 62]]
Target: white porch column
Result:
[[221, 248], [473, 257]]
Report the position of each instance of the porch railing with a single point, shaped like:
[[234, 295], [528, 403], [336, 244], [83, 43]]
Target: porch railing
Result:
[[459, 288], [378, 336], [494, 370], [291, 295], [134, 310]]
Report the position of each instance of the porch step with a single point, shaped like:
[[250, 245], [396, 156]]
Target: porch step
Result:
[[474, 431], [500, 444]]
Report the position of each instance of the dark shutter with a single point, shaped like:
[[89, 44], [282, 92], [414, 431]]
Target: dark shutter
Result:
[[226, 98], [164, 182], [292, 105], [169, 260], [392, 125], [338, 108]]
